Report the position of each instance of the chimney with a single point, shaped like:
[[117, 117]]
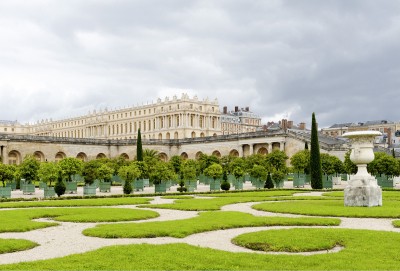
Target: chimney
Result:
[[284, 124], [236, 108], [225, 110], [247, 109], [290, 124], [302, 125]]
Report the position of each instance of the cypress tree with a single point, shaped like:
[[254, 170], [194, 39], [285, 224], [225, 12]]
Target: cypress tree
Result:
[[268, 183], [139, 148], [315, 159], [393, 153]]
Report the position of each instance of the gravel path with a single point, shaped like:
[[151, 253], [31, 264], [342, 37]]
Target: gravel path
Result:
[[67, 238]]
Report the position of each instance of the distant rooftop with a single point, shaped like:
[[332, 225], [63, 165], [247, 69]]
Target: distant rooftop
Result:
[[9, 122]]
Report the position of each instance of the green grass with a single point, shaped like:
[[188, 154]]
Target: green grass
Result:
[[396, 223], [21, 220], [13, 245], [206, 221], [364, 250], [291, 240], [76, 202], [386, 195], [254, 194], [178, 197], [390, 209]]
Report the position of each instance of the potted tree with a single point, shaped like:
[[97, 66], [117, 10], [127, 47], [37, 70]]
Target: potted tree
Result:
[[6, 175], [28, 171], [238, 173], [48, 172], [259, 174], [129, 174], [105, 174], [90, 174], [161, 174], [71, 169], [188, 172], [214, 172]]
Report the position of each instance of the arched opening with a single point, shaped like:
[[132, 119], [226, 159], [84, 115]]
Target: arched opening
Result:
[[59, 156], [202, 135], [125, 156], [214, 135], [14, 158], [234, 153], [82, 156], [276, 146], [39, 156], [163, 156], [168, 136], [217, 154], [263, 151], [198, 154], [160, 136], [193, 134], [184, 156], [101, 156], [176, 135]]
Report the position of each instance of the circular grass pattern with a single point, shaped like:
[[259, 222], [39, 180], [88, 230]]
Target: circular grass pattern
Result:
[[289, 240], [13, 245], [390, 209]]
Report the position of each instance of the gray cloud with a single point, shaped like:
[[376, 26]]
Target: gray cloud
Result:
[[282, 58]]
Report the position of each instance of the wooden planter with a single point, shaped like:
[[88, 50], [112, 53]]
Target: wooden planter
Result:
[[138, 185], [105, 186], [327, 182], [190, 187], [5, 192], [298, 181], [28, 188], [71, 187], [146, 182], [12, 185], [279, 184], [160, 187], [49, 192], [215, 185], [89, 190], [238, 184], [42, 185]]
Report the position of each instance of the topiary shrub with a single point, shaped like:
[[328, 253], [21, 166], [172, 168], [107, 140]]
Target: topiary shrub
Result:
[[127, 188], [268, 183], [225, 186], [60, 188], [182, 187]]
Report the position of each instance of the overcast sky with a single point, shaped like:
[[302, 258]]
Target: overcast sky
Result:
[[339, 59]]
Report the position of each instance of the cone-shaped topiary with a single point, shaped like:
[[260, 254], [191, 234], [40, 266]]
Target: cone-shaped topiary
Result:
[[268, 183], [225, 185], [60, 188], [139, 147], [315, 159]]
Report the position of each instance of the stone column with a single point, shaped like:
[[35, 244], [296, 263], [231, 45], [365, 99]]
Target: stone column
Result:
[[269, 147]]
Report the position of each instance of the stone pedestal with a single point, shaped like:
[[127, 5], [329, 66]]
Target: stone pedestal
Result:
[[363, 195], [362, 189]]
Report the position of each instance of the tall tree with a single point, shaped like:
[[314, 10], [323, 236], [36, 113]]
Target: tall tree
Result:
[[139, 147], [315, 159]]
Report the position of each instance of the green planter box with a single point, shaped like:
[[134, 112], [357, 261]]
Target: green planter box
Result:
[[215, 185], [105, 187], [5, 192], [12, 185], [42, 185], [238, 184], [49, 192], [160, 187], [202, 179], [71, 188], [259, 184], [190, 187], [298, 181], [192, 183], [146, 182], [385, 182], [279, 184], [327, 182], [138, 185], [89, 190], [28, 188]]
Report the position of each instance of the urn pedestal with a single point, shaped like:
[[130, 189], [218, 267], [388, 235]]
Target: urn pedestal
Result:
[[362, 189]]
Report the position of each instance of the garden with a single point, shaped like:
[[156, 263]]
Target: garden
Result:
[[245, 220]]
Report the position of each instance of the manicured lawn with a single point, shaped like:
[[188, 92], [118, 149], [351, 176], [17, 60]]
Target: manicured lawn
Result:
[[206, 221], [178, 197], [364, 250], [76, 202], [291, 240], [390, 209], [386, 195], [13, 245], [252, 194], [21, 220]]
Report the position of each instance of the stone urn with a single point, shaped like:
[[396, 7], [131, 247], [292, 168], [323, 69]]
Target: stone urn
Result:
[[362, 189]]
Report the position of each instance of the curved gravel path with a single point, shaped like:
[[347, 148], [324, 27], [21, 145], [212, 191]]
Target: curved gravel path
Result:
[[67, 238]]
